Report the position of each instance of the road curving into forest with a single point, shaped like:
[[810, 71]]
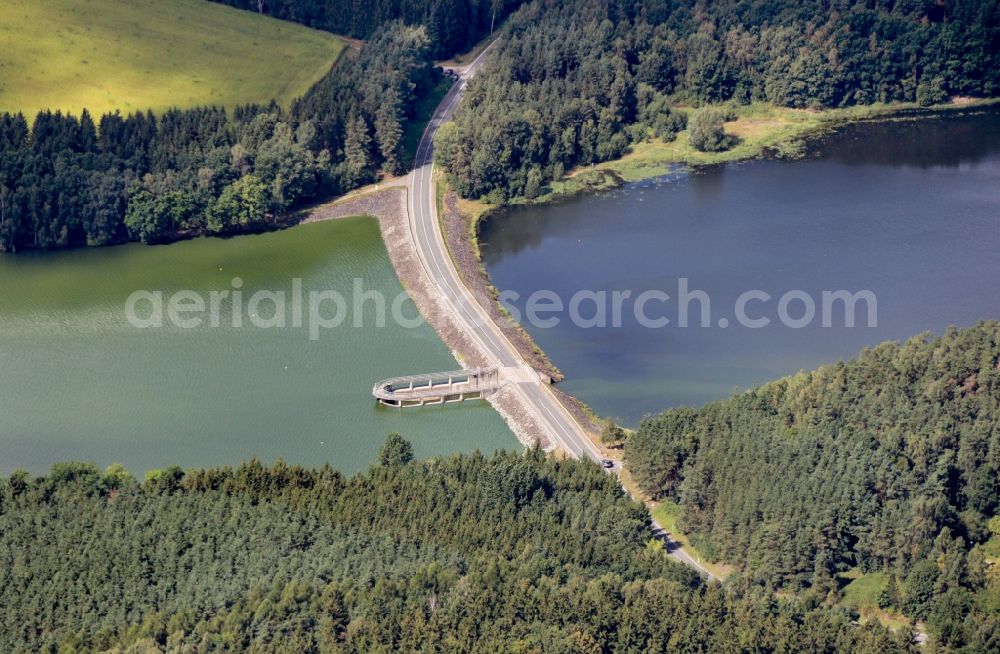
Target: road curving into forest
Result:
[[535, 395]]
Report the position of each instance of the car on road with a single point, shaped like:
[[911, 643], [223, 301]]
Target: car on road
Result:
[[607, 463]]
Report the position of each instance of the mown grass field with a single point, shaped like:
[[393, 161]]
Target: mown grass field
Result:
[[133, 55], [860, 592]]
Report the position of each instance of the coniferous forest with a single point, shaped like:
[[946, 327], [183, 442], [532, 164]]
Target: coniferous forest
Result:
[[453, 25], [464, 554], [81, 180], [577, 81], [888, 462]]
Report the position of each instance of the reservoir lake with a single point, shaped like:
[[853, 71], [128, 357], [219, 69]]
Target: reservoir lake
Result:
[[79, 382], [906, 209]]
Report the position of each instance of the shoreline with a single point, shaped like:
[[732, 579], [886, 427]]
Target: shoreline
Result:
[[462, 219], [781, 138], [762, 131], [646, 161], [460, 230], [389, 207]]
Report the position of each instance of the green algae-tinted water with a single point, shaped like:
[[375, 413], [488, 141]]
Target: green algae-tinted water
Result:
[[79, 382]]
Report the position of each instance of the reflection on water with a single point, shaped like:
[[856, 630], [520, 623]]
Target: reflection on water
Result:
[[907, 209], [707, 183], [943, 140]]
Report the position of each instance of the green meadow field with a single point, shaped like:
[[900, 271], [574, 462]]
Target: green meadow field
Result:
[[133, 55]]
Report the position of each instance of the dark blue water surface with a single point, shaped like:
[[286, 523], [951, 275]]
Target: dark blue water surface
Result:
[[909, 210]]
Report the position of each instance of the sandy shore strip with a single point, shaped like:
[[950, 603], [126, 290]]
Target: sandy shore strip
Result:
[[389, 206]]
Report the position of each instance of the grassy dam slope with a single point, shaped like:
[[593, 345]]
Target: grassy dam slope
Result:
[[134, 55]]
